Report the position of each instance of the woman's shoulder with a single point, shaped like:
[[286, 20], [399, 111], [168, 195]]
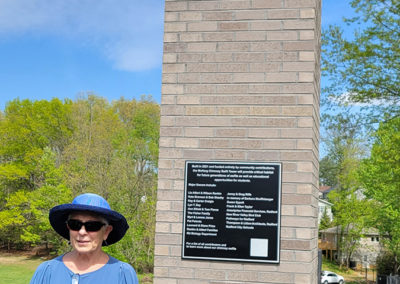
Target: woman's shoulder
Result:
[[49, 263], [45, 269], [120, 264], [126, 271]]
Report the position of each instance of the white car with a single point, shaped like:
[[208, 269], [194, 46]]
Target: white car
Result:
[[331, 277]]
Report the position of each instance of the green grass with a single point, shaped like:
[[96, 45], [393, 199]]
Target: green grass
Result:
[[18, 272], [350, 276], [145, 278], [332, 266], [17, 269]]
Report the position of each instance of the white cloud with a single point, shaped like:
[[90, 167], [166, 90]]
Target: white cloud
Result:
[[128, 32], [346, 98]]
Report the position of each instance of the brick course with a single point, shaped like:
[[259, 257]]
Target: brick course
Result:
[[240, 83]]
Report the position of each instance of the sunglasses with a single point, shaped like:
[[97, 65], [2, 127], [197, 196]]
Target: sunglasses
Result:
[[90, 226]]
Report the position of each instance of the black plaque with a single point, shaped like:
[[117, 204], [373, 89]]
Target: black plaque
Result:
[[232, 211]]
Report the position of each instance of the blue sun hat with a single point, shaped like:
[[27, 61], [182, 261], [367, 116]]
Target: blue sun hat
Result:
[[92, 203]]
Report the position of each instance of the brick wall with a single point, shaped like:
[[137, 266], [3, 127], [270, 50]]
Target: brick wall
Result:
[[241, 83]]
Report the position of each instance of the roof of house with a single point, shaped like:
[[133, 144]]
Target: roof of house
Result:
[[325, 188], [337, 230], [320, 200]]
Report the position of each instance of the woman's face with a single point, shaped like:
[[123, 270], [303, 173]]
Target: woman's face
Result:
[[85, 241]]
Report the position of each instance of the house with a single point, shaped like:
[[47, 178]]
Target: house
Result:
[[323, 203], [324, 206], [324, 190], [364, 256]]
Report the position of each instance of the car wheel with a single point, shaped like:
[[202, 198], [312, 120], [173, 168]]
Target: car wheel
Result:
[[326, 282], [341, 282]]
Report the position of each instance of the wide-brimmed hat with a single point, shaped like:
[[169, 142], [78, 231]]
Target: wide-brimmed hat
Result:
[[92, 203]]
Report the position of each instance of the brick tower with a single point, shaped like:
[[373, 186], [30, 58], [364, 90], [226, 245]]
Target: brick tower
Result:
[[240, 84]]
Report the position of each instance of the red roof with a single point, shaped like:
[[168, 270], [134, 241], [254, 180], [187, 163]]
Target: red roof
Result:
[[325, 188]]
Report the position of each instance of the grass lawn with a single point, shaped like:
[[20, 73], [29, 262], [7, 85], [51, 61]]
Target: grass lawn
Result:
[[18, 269]]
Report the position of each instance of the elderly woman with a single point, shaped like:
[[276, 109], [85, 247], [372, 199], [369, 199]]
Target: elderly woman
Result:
[[88, 223]]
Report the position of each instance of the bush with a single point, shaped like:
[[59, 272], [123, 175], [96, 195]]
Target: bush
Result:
[[385, 263]]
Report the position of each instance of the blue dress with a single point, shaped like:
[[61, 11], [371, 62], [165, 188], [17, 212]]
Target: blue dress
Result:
[[55, 272]]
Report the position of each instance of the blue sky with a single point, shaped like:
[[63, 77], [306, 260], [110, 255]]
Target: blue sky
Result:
[[58, 48]]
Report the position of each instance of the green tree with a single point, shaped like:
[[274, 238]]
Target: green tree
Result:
[[135, 180], [344, 144], [113, 152], [88, 156], [25, 214], [328, 171], [365, 68], [340, 167], [350, 215], [12, 218], [385, 263], [52, 151], [26, 130], [326, 221], [52, 192], [380, 176]]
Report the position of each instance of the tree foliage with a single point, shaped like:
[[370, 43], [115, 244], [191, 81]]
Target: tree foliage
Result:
[[380, 175], [25, 130], [385, 263], [326, 221], [365, 68], [350, 215], [53, 151], [344, 150], [363, 75], [340, 168]]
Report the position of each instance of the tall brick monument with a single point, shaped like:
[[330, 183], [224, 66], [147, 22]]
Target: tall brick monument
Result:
[[239, 120]]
